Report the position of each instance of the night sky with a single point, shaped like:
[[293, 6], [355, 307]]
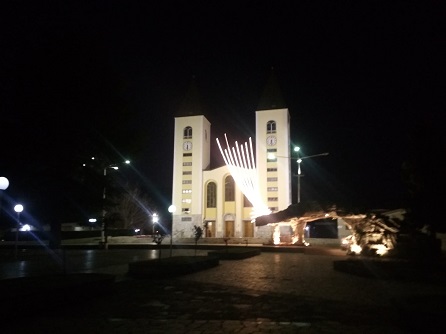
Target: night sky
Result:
[[361, 79]]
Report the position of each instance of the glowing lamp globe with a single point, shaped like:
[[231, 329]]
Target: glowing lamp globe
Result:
[[18, 208], [172, 208], [4, 183]]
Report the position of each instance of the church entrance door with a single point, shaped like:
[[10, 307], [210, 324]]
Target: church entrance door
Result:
[[248, 229], [229, 229]]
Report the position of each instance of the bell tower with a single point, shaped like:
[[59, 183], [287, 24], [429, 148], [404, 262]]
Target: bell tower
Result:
[[273, 147], [191, 157]]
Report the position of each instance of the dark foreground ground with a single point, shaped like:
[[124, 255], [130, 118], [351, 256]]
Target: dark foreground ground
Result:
[[274, 292]]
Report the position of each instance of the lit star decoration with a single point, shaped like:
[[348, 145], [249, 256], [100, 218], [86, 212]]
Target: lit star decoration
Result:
[[241, 165]]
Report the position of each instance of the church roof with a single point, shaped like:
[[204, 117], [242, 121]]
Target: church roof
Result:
[[191, 104], [272, 95]]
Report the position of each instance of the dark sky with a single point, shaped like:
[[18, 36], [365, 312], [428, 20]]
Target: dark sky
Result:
[[358, 78]]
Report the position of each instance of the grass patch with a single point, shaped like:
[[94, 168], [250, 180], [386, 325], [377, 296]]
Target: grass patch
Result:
[[28, 294], [433, 272], [171, 266], [232, 253]]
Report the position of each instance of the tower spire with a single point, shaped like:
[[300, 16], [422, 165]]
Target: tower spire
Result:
[[191, 104], [272, 94]]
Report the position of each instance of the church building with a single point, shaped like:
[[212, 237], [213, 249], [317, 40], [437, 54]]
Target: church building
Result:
[[211, 198]]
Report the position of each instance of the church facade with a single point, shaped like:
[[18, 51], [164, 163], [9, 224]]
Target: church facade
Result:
[[210, 198]]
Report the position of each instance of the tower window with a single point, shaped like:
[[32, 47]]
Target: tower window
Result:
[[187, 133], [271, 154], [229, 189], [271, 127], [211, 195]]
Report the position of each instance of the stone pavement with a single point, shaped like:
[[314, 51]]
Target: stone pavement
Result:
[[275, 292]]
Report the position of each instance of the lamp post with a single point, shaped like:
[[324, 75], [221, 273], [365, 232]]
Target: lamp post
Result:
[[172, 210], [299, 160], [155, 219], [92, 222], [18, 208], [4, 184], [104, 211], [299, 172]]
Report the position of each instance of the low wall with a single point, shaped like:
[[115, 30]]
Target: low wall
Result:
[[324, 241], [45, 235], [231, 241], [251, 241]]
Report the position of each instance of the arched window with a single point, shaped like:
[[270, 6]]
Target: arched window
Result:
[[187, 133], [229, 189], [271, 127], [211, 195]]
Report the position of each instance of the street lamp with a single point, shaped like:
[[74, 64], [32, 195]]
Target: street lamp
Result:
[[172, 210], [92, 222], [103, 225], [299, 173], [18, 208], [155, 219], [4, 184], [299, 161]]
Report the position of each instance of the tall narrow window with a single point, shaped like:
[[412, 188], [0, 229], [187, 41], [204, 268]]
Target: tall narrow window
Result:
[[211, 195], [271, 127], [187, 133], [229, 189]]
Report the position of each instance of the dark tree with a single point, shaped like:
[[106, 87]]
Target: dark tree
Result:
[[65, 101], [198, 233], [423, 175]]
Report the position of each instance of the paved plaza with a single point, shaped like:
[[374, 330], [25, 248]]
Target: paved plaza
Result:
[[274, 292]]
